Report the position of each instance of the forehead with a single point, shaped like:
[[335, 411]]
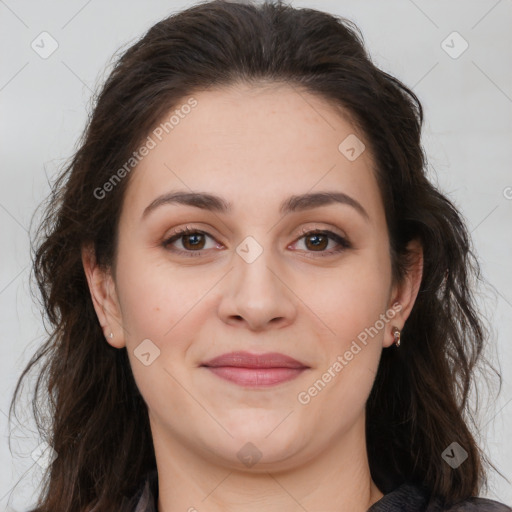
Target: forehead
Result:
[[253, 144]]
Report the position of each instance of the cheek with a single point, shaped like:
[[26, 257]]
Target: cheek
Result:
[[351, 297], [158, 306], [352, 309], [154, 295]]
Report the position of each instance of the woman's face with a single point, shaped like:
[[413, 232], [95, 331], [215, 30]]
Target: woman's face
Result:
[[247, 278]]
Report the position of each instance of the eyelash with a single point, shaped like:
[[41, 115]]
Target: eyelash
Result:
[[343, 242]]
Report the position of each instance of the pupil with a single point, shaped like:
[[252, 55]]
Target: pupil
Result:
[[318, 239], [196, 240]]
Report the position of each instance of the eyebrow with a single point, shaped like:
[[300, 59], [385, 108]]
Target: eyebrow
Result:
[[296, 203]]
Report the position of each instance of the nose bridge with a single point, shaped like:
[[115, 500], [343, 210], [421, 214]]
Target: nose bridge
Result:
[[253, 262], [257, 293]]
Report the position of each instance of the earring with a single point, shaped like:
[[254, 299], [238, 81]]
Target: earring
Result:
[[111, 335], [396, 336]]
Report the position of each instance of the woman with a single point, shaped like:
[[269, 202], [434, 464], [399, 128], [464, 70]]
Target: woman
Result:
[[259, 301]]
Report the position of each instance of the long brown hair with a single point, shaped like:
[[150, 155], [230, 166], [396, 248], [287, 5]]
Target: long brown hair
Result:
[[418, 406]]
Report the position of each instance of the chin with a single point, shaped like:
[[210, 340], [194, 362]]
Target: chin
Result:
[[263, 425]]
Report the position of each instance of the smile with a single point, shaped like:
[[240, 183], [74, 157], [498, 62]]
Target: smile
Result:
[[256, 377], [255, 370]]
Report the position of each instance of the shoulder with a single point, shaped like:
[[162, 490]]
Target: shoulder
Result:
[[409, 497], [479, 505]]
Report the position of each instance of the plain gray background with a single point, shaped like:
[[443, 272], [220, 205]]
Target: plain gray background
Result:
[[467, 98]]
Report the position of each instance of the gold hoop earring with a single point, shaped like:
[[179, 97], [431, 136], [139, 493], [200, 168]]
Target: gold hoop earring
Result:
[[396, 336]]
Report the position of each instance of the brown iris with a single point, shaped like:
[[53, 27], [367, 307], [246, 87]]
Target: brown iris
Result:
[[320, 239]]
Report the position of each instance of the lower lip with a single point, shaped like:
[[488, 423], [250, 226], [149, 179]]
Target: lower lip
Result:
[[256, 377]]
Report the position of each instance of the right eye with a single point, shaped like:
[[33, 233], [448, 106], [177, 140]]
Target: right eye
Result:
[[192, 241]]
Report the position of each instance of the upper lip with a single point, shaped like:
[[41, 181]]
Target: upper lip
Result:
[[248, 360]]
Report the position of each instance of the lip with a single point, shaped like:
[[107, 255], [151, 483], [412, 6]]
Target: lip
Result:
[[248, 360], [255, 370]]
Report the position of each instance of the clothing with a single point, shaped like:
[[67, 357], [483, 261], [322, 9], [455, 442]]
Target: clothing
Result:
[[405, 498]]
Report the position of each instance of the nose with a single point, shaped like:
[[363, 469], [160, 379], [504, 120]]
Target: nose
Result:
[[257, 295]]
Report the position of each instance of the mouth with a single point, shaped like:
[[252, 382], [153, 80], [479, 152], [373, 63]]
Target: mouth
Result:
[[255, 370]]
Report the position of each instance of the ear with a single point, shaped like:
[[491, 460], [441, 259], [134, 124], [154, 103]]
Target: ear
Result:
[[403, 295], [104, 298]]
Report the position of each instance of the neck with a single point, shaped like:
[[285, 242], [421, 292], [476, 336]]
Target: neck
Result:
[[338, 479]]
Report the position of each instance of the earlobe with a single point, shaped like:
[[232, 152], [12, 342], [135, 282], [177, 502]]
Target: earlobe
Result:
[[104, 298], [406, 292]]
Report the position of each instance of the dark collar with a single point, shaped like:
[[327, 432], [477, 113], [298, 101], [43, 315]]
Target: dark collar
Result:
[[405, 498]]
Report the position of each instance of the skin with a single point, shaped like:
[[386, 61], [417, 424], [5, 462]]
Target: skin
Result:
[[255, 147]]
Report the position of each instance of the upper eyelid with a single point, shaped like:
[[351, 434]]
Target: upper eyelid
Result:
[[180, 232], [304, 231]]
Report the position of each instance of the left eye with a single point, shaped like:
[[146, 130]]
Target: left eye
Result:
[[193, 241], [317, 241]]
